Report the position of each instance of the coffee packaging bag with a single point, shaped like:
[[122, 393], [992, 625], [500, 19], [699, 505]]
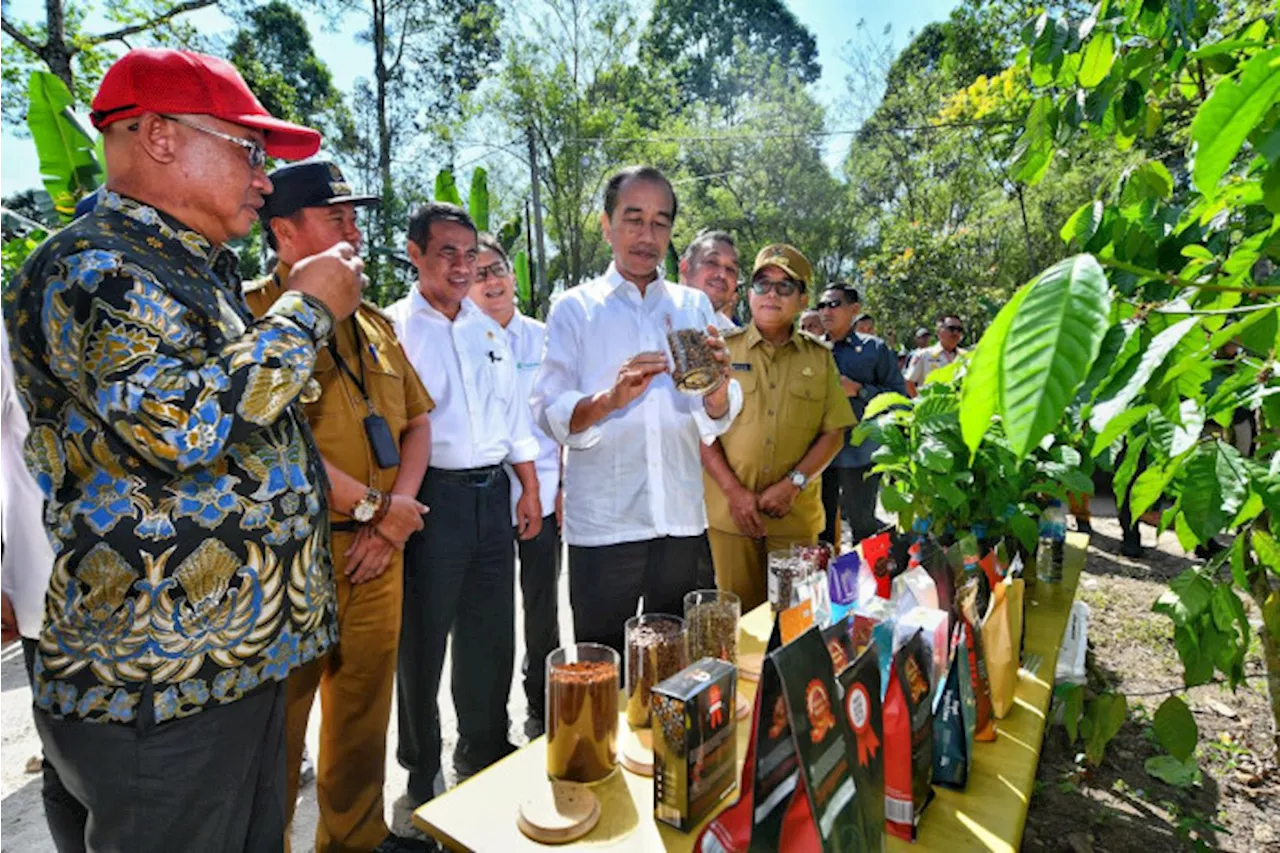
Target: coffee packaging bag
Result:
[[908, 741]]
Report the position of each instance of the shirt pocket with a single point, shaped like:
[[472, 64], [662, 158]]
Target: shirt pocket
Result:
[[385, 385], [807, 397]]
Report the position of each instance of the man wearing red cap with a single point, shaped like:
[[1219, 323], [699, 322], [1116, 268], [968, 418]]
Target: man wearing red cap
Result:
[[184, 499]]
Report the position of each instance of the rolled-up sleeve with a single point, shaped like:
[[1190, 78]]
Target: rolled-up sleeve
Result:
[[524, 447], [557, 389], [709, 428]]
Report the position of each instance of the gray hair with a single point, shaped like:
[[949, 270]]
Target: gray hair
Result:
[[703, 241]]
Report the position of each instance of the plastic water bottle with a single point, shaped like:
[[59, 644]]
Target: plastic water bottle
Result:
[[1052, 544]]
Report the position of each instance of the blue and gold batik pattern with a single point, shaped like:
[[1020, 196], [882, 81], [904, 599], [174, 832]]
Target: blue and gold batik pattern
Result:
[[185, 500]]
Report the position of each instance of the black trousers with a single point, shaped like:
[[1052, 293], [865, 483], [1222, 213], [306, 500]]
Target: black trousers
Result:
[[858, 492], [539, 588], [606, 582], [459, 581], [831, 506], [210, 782]]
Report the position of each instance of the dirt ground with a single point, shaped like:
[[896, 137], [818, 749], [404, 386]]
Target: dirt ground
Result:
[[1114, 807], [1117, 806]]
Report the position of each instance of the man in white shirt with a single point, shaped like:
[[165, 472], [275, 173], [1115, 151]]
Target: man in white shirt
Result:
[[710, 264], [634, 516], [950, 331], [28, 559], [495, 292], [459, 570]]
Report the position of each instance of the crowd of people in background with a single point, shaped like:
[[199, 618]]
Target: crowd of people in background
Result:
[[236, 498]]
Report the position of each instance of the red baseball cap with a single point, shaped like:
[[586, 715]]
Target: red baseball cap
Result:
[[159, 80]]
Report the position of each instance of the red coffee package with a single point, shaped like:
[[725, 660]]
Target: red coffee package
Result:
[[967, 598], [908, 741]]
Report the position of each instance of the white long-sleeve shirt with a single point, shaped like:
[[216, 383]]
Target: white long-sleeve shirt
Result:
[[637, 473], [527, 338], [28, 557], [466, 364]]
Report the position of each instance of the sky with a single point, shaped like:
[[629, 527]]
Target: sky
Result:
[[833, 21]]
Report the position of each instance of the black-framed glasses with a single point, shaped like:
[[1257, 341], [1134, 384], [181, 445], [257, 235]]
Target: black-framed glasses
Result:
[[959, 330], [785, 287], [257, 151], [832, 304], [497, 269]]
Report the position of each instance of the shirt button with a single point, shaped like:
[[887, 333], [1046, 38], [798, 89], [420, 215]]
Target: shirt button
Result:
[[770, 413], [773, 385], [766, 469]]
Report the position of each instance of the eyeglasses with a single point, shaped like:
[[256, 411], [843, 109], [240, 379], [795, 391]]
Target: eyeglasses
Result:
[[959, 330], [257, 152], [832, 304], [786, 287], [496, 269]]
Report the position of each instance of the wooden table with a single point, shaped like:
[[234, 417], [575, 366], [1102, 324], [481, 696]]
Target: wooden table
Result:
[[480, 814]]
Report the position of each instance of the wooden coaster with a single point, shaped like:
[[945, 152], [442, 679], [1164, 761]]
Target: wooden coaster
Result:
[[558, 812], [637, 752], [744, 707], [750, 666]]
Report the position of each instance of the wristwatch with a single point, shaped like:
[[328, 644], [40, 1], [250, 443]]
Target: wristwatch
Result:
[[367, 507], [798, 478]]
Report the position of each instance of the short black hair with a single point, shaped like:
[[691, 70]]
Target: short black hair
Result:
[[270, 233], [435, 211], [942, 318], [643, 173], [485, 240], [848, 291], [703, 241]]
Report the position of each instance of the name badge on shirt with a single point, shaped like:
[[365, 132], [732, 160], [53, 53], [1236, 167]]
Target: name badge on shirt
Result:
[[742, 365]]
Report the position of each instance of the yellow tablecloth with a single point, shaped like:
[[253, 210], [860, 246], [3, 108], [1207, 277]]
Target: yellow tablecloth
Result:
[[480, 814]]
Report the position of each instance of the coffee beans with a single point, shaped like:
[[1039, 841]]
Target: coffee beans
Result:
[[695, 369], [711, 618], [655, 651]]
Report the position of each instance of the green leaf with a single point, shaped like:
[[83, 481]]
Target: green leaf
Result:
[[1102, 722], [1271, 613], [882, 402], [1034, 149], [1187, 433], [1128, 466], [1098, 56], [1168, 769], [524, 289], [1150, 485], [1083, 224], [69, 166], [1118, 426], [1150, 180], [1267, 549], [478, 204], [1051, 344], [1214, 488], [1152, 357], [936, 456], [1186, 598], [1175, 728], [1072, 710], [980, 392], [446, 189], [1027, 531], [1228, 116]]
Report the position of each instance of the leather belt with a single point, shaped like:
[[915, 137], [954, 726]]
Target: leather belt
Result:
[[478, 478]]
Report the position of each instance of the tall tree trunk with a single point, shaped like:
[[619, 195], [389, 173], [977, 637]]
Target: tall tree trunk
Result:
[[56, 53], [1026, 233], [1265, 597], [384, 134]]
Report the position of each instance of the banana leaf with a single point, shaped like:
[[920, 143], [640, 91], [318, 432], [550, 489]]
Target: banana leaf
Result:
[[69, 164], [447, 188], [524, 289], [478, 205]]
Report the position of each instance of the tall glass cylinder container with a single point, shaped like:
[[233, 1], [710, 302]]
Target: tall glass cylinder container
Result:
[[582, 712], [711, 624], [655, 650]]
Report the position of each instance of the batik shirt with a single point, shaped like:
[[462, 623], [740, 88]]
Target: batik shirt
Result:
[[184, 501]]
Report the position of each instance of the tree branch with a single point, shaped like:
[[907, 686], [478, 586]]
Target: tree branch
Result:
[[20, 37], [134, 29], [1171, 279]]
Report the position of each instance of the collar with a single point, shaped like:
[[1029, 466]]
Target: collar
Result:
[[754, 337], [614, 282], [217, 257], [419, 303]]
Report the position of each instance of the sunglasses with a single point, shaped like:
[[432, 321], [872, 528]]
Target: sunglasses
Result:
[[496, 269], [257, 152], [830, 303], [786, 287], [959, 330]]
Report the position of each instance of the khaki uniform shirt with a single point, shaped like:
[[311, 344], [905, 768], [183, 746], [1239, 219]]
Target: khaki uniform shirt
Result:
[[791, 394], [337, 416]]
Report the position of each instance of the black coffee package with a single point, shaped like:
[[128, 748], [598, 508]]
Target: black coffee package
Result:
[[695, 741], [822, 741], [954, 717], [908, 740], [860, 698]]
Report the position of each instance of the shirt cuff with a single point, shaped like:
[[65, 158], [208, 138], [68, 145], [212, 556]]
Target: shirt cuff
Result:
[[559, 417], [306, 311], [709, 429], [523, 450]]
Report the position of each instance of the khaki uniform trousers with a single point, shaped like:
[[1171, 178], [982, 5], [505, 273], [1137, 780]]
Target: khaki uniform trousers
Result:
[[354, 682], [741, 563]]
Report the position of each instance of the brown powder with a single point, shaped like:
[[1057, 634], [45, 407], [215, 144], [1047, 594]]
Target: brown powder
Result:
[[582, 726]]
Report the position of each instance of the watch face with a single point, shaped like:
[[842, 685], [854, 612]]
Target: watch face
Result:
[[363, 511]]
